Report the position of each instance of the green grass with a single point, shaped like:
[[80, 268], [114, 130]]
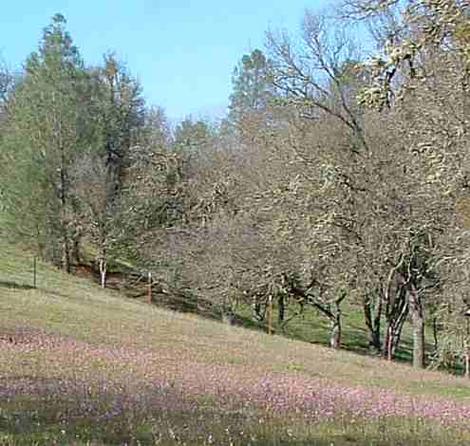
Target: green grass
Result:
[[157, 342], [312, 327], [309, 327]]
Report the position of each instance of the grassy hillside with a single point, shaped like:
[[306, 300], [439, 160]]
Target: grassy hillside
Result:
[[314, 328], [82, 366], [310, 326]]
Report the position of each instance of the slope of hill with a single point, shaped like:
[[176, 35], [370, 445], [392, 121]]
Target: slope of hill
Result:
[[82, 366]]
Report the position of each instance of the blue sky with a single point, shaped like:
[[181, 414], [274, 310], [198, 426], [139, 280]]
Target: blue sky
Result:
[[182, 51]]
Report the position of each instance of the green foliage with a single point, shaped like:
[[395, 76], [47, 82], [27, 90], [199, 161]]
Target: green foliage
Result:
[[42, 138], [193, 137], [303, 195], [252, 90]]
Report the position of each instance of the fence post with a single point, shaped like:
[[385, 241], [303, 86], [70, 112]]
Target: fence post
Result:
[[270, 315], [149, 289], [34, 272], [467, 344]]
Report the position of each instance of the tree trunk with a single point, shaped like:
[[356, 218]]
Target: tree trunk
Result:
[[228, 318], [64, 226], [76, 248], [392, 339], [396, 312], [103, 272], [270, 314], [435, 334], [258, 314], [375, 343], [467, 347], [281, 309], [373, 322], [417, 318], [103, 259], [63, 202], [388, 344], [467, 362], [65, 253], [418, 342], [335, 335]]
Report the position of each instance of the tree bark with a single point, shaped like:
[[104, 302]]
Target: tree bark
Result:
[[388, 344], [103, 259], [396, 311], [417, 318], [64, 223], [372, 320], [333, 315], [228, 318], [467, 348], [375, 343], [270, 314], [336, 328], [103, 272], [281, 309], [257, 313], [392, 338], [66, 264], [467, 362], [393, 331], [76, 248], [65, 252], [335, 334], [435, 334]]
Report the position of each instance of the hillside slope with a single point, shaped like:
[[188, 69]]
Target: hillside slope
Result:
[[79, 365]]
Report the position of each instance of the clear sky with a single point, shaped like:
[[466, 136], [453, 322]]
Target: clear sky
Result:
[[182, 51]]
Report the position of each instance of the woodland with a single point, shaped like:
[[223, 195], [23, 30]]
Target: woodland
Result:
[[338, 178]]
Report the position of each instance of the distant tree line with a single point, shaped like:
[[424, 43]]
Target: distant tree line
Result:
[[336, 177]]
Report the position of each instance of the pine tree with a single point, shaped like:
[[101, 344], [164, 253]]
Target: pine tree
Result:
[[44, 135], [251, 88]]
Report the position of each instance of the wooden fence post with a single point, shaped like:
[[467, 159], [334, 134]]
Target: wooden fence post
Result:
[[149, 290], [34, 272], [270, 315], [467, 345]]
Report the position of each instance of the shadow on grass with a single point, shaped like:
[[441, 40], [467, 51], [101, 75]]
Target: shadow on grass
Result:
[[15, 286], [22, 286], [355, 340]]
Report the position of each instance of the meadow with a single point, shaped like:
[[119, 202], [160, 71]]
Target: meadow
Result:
[[79, 365]]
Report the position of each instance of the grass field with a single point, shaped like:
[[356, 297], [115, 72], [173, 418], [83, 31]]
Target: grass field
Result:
[[79, 365], [312, 327]]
